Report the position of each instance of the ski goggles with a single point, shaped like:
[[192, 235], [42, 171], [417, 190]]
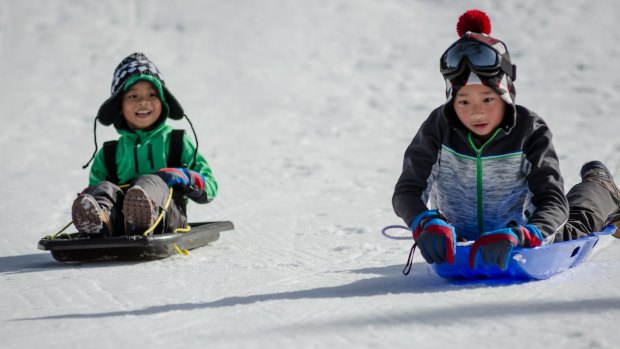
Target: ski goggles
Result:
[[481, 58]]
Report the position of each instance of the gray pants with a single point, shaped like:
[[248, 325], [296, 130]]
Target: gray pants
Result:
[[590, 204], [156, 189]]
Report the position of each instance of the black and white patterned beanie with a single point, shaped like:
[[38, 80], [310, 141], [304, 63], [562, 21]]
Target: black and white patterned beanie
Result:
[[134, 65]]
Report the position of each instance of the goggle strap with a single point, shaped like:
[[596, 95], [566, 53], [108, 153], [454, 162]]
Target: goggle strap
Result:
[[509, 69]]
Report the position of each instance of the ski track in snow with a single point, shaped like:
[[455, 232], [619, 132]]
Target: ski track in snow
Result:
[[304, 110]]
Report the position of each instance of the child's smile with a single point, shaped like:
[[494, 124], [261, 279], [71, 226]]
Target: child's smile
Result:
[[141, 105], [143, 114]]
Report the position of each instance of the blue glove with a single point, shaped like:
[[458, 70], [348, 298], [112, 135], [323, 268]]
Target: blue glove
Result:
[[435, 237], [188, 179], [495, 247]]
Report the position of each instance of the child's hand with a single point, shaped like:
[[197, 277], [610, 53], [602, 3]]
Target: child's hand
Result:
[[435, 237], [496, 246], [174, 176], [188, 179]]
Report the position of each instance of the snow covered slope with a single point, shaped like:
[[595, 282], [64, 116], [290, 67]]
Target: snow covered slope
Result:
[[304, 110]]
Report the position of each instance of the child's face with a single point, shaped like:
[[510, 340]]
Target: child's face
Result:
[[480, 109], [141, 105]]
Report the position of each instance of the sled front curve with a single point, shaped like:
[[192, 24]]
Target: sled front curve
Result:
[[526, 263], [74, 248]]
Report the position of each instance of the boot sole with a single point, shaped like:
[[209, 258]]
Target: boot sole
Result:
[[140, 212], [87, 216]]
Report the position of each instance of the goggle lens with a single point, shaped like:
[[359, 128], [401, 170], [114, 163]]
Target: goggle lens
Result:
[[478, 55]]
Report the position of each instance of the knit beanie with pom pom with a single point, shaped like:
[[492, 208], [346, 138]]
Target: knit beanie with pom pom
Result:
[[474, 27]]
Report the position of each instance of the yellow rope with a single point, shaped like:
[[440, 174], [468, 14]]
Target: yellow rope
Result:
[[183, 230], [52, 237], [180, 251], [161, 215]]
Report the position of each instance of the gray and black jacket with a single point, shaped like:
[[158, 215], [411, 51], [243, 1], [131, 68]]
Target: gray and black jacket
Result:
[[513, 177]]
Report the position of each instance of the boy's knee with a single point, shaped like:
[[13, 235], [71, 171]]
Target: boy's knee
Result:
[[150, 180], [106, 189]]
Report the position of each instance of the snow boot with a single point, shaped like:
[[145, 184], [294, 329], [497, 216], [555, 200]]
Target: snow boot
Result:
[[597, 172], [139, 210], [92, 216]]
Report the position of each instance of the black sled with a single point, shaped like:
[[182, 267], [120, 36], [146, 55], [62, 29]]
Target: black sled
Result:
[[77, 248]]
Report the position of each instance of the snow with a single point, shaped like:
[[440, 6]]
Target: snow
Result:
[[304, 110]]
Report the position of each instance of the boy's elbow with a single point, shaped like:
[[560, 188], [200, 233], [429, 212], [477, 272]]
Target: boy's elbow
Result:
[[213, 189]]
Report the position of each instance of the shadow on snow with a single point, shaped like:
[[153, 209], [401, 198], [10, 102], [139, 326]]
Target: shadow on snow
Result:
[[37, 262], [384, 281]]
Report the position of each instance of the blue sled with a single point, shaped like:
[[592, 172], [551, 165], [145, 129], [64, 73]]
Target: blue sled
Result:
[[526, 263]]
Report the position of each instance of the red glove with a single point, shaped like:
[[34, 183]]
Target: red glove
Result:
[[435, 237], [495, 247]]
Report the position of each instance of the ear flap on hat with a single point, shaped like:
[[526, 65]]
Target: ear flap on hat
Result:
[[176, 110], [110, 110]]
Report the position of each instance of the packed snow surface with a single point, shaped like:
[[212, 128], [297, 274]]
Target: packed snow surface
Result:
[[304, 110]]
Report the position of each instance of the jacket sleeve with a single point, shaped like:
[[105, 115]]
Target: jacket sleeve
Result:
[[545, 181], [201, 166], [98, 170], [409, 199]]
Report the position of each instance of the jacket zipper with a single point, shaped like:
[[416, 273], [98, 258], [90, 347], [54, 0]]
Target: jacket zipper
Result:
[[479, 200], [151, 156], [135, 156]]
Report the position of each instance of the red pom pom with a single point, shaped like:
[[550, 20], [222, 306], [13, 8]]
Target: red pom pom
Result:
[[473, 21]]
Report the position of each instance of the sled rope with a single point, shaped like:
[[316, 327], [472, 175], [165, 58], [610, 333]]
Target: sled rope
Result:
[[180, 251], [409, 264], [392, 237], [183, 230], [149, 231], [53, 237]]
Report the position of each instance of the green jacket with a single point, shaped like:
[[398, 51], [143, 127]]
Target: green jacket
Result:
[[144, 152]]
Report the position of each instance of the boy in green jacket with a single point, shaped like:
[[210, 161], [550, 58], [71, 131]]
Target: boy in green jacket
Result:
[[129, 188]]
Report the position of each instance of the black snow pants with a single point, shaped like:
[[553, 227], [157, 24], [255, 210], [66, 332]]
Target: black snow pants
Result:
[[590, 204]]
